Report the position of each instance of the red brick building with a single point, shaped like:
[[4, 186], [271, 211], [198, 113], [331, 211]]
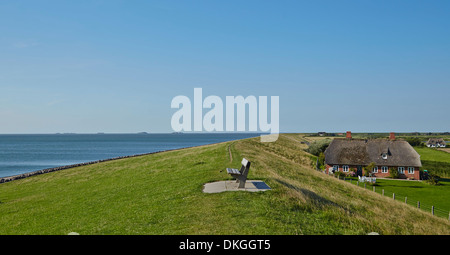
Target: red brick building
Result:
[[349, 154]]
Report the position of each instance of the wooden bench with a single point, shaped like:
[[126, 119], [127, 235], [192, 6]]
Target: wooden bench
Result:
[[240, 175]]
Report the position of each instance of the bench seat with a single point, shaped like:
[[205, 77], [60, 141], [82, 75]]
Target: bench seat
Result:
[[233, 171]]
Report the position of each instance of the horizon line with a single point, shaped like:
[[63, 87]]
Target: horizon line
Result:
[[221, 132]]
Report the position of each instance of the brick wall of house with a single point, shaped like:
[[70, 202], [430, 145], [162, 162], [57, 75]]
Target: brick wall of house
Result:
[[406, 175]]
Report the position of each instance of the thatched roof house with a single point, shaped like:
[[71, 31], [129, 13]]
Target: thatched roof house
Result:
[[346, 153], [380, 151], [436, 142]]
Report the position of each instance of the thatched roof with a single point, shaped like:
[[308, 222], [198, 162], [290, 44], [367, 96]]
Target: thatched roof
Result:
[[434, 141], [344, 151]]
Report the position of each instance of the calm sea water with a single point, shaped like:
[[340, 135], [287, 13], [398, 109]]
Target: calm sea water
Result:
[[26, 153]]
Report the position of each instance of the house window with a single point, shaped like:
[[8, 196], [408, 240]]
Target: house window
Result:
[[375, 170], [410, 170], [335, 168], [345, 168], [384, 169], [384, 156], [401, 170]]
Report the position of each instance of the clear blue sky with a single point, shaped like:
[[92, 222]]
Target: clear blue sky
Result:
[[114, 66]]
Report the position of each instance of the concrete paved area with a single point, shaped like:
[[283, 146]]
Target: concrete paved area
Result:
[[221, 186]]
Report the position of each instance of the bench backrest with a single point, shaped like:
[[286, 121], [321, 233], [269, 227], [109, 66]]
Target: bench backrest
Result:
[[245, 166], [245, 162]]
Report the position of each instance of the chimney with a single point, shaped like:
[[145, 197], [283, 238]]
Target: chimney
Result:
[[392, 136], [349, 134]]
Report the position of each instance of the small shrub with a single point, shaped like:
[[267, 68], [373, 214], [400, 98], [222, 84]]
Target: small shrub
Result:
[[319, 146], [321, 160], [433, 179], [393, 172], [339, 174]]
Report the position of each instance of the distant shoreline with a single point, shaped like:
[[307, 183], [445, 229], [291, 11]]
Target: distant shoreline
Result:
[[53, 169], [141, 133], [59, 168]]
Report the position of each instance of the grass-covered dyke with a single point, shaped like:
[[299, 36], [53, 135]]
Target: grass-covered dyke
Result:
[[162, 193]]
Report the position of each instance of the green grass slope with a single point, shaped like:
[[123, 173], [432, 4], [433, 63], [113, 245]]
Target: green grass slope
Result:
[[162, 194]]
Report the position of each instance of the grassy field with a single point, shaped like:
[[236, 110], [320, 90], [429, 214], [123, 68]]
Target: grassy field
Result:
[[162, 194], [414, 191], [435, 160], [433, 154]]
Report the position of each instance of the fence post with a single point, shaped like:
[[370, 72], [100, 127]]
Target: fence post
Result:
[[406, 199], [418, 204], [382, 192], [393, 196], [373, 188], [432, 209], [364, 185]]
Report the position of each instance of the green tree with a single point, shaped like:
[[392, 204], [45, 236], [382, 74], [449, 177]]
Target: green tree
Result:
[[319, 146], [415, 141], [393, 172], [369, 169]]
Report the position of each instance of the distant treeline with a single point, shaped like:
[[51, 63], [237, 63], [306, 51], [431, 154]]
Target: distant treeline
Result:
[[415, 141], [422, 135]]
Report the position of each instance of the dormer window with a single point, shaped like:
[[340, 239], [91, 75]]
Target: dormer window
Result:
[[384, 155]]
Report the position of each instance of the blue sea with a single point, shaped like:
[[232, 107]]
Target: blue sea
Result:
[[26, 153]]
